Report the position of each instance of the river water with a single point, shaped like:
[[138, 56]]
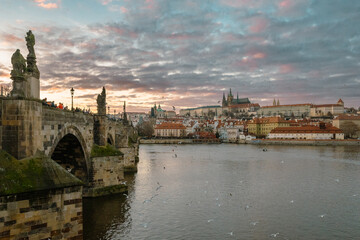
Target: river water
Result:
[[230, 191]]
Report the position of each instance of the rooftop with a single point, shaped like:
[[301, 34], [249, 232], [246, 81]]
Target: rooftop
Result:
[[169, 125], [307, 129]]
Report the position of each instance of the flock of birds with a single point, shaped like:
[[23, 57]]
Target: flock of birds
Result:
[[246, 207]]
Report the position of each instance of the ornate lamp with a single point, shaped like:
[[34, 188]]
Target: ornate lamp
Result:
[[72, 98]]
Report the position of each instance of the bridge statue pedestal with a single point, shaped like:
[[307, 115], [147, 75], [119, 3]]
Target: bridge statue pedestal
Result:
[[21, 127]]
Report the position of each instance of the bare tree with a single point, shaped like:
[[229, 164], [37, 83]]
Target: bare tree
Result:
[[350, 129], [145, 129]]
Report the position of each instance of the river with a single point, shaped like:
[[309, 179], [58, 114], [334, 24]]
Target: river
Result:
[[230, 191]]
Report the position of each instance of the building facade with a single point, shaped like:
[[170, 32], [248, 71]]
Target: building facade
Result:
[[307, 132], [260, 127], [293, 110], [209, 111], [327, 109], [168, 129]]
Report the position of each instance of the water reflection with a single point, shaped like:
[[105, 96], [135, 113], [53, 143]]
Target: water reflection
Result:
[[234, 192], [105, 215]]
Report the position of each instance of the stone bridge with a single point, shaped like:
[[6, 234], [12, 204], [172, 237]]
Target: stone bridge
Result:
[[29, 126]]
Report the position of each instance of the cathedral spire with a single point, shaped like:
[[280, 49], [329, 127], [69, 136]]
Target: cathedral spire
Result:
[[237, 97], [278, 102], [224, 100], [230, 94], [274, 102]]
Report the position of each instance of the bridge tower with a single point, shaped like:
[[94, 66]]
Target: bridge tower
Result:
[[100, 120]]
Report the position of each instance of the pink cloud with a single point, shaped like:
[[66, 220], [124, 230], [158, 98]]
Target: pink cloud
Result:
[[258, 25], [105, 2], [46, 4], [286, 68], [259, 55], [11, 38], [150, 4], [124, 9], [285, 4]]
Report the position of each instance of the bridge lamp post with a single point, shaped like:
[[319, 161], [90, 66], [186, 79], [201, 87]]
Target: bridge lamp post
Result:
[[72, 98]]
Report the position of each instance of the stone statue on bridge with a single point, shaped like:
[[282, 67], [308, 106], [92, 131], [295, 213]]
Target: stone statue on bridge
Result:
[[101, 102], [25, 73], [31, 57], [18, 74], [19, 65]]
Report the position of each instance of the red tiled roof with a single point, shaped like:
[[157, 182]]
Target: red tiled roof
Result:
[[306, 129], [168, 125], [269, 120], [348, 117], [328, 105]]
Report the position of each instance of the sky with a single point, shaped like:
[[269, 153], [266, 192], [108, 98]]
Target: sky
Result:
[[186, 53]]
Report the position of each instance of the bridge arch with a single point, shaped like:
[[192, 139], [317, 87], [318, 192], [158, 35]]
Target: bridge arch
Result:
[[110, 140], [69, 150]]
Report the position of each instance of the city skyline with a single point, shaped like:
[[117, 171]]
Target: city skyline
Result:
[[186, 54]]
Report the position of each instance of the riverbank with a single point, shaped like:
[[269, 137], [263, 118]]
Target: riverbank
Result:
[[178, 141], [305, 142]]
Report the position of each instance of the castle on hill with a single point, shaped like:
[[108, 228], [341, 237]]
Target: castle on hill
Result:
[[230, 100]]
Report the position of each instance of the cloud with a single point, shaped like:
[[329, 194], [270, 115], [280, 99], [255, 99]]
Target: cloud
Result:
[[46, 4], [189, 53]]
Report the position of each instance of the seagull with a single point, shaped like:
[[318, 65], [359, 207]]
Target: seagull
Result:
[[292, 201], [145, 225], [231, 233], [254, 223], [337, 180], [247, 207], [274, 235], [210, 220], [322, 215]]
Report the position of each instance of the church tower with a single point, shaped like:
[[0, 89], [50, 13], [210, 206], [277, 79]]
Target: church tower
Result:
[[224, 104], [230, 98]]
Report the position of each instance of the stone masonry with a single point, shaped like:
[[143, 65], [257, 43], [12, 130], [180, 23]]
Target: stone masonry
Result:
[[50, 214]]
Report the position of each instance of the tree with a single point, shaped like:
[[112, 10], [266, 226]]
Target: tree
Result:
[[350, 129], [145, 129], [217, 134]]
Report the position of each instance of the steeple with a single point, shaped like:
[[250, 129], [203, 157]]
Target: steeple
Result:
[[237, 97], [278, 102], [230, 94], [274, 102], [224, 100]]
